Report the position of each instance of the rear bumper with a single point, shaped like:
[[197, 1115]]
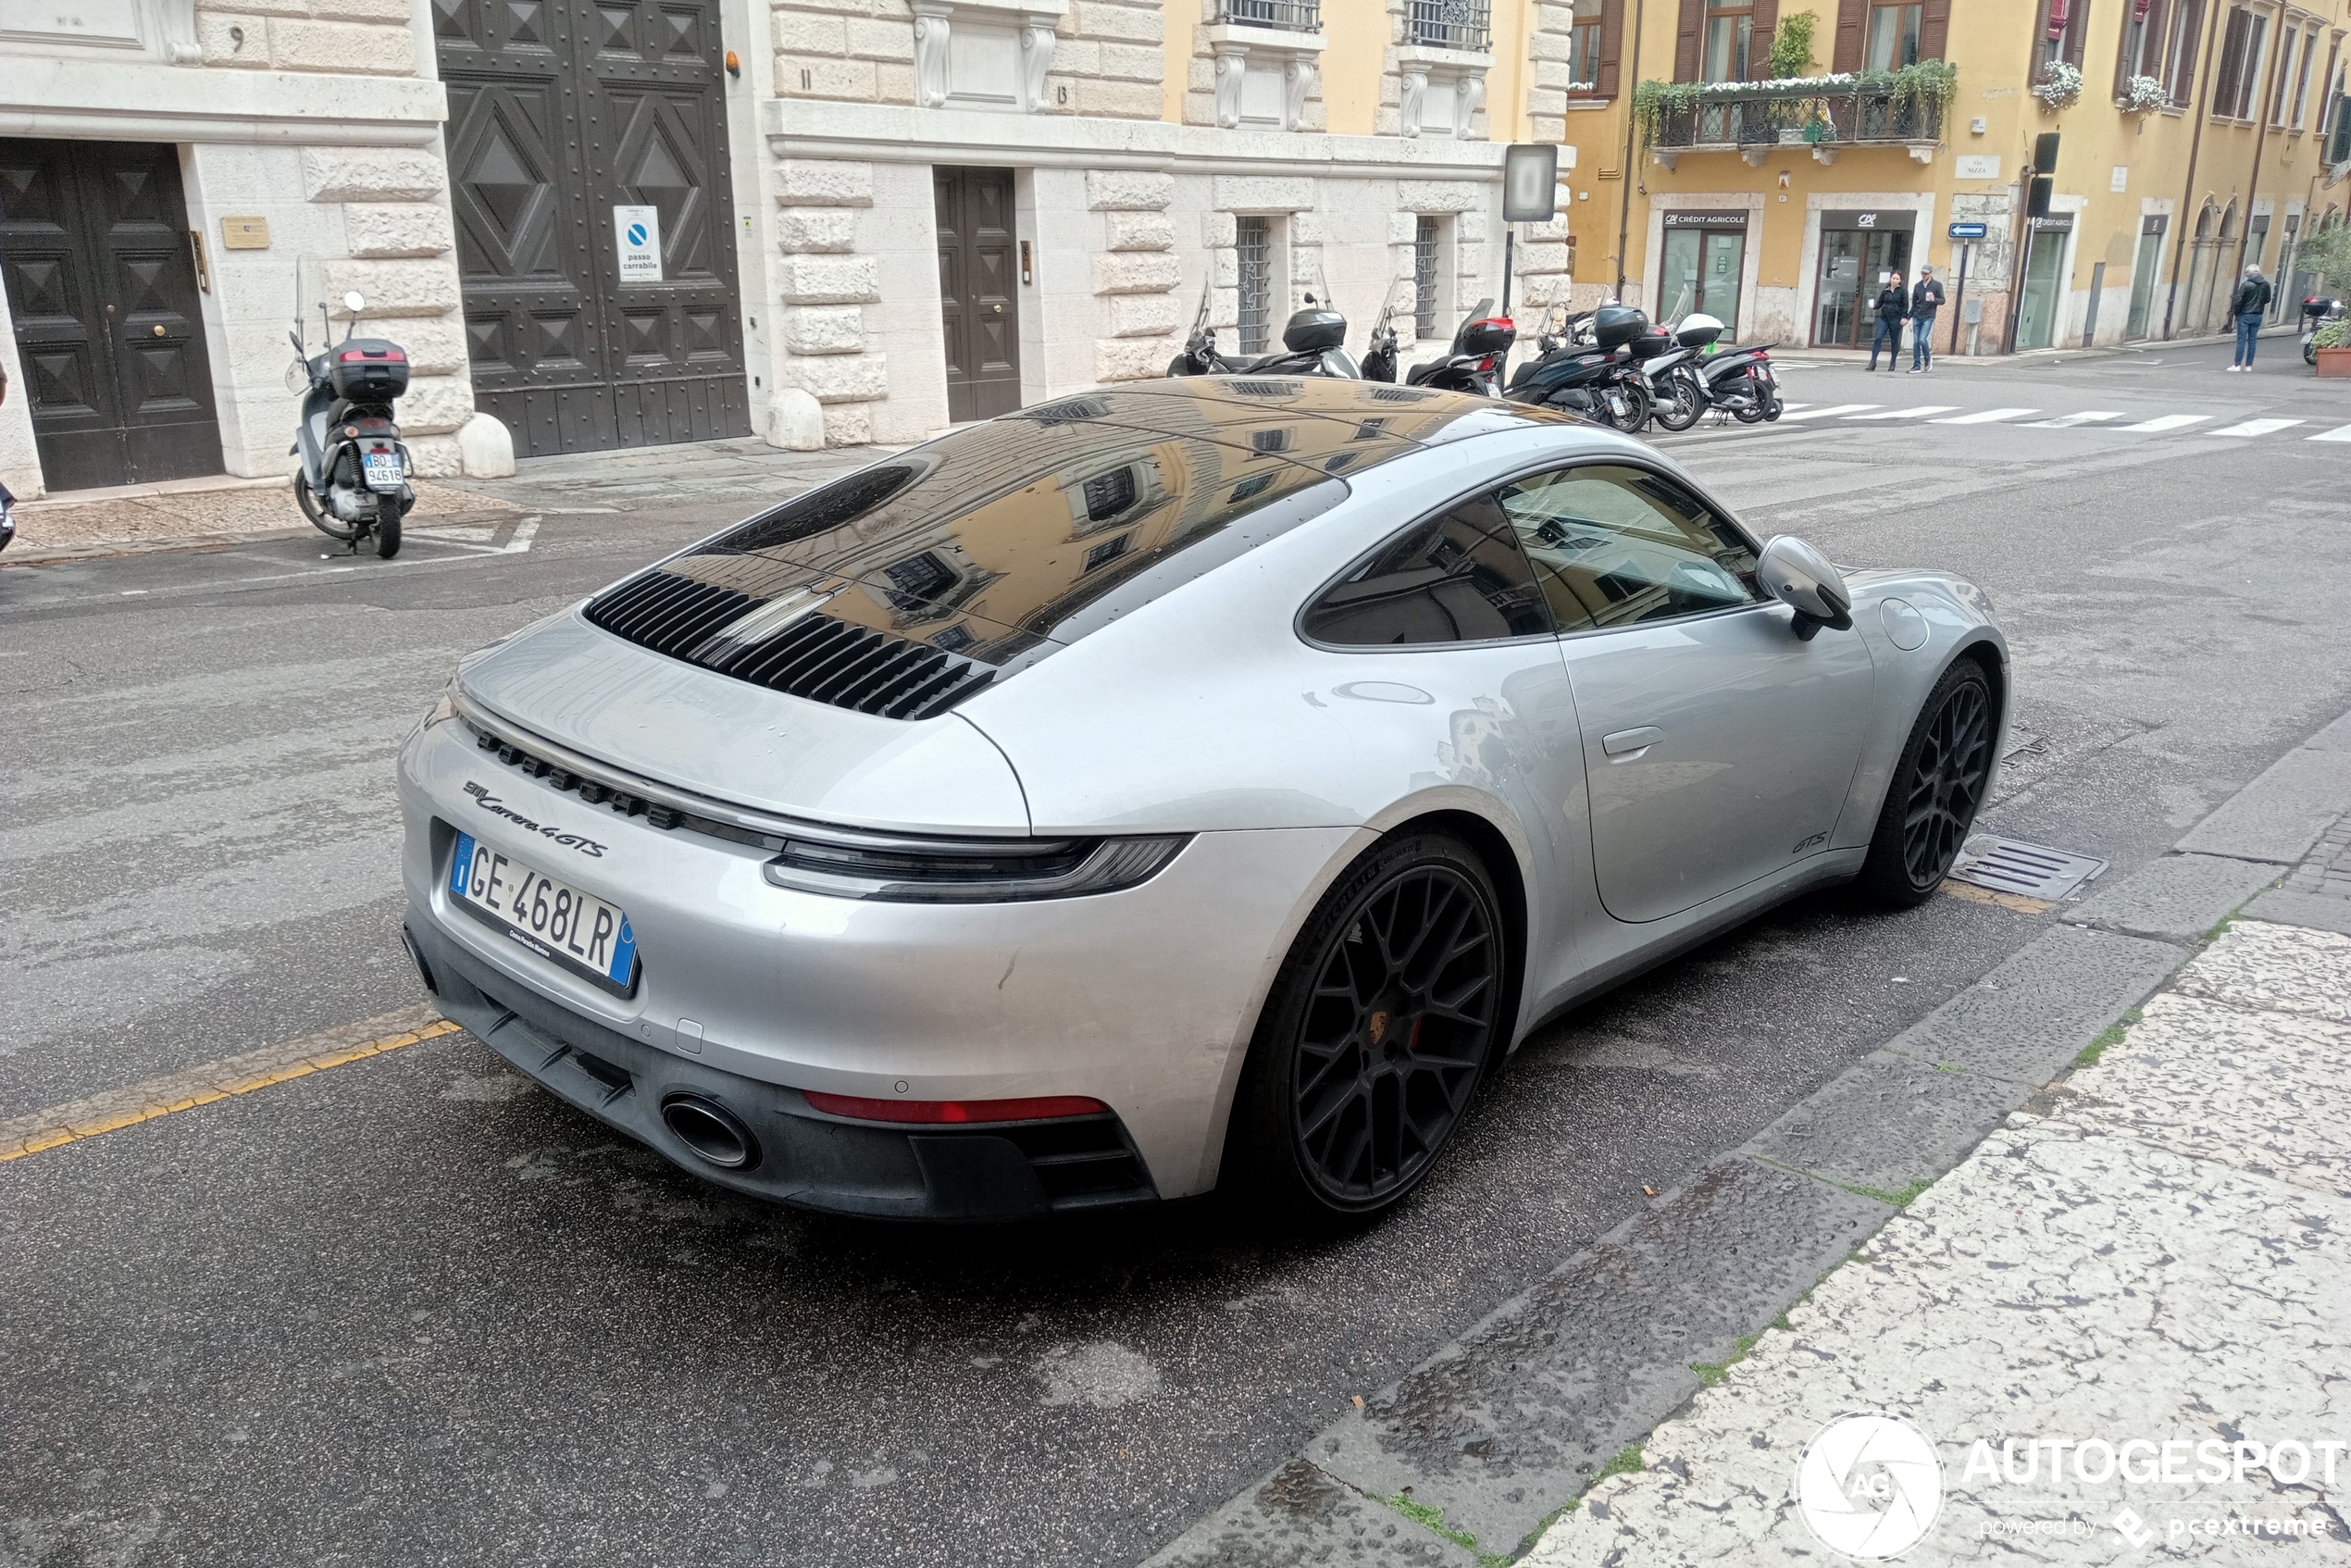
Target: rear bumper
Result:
[[1006, 1171]]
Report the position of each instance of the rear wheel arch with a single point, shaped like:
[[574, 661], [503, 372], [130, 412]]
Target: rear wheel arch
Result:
[[1494, 850]]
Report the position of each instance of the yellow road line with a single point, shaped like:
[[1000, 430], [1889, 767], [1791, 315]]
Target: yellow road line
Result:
[[128, 1106]]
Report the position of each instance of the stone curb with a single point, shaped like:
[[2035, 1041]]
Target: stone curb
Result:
[[1494, 1435]]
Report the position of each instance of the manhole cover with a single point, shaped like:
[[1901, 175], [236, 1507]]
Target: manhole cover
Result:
[[2034, 871]]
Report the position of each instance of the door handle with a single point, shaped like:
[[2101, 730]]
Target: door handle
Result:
[[1631, 742], [998, 309]]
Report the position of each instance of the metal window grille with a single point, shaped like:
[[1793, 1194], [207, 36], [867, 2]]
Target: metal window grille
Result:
[[1109, 494], [1110, 549], [1255, 242], [1424, 277], [1451, 24], [1293, 16]]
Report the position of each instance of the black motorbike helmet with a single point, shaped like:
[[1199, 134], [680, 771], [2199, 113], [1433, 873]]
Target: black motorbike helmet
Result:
[[1314, 330], [1613, 325]]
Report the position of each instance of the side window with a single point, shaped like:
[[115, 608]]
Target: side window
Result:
[[1457, 577], [1611, 546]]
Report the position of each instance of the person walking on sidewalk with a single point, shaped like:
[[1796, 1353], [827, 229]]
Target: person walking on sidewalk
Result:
[[1926, 298], [1892, 309], [2247, 307]]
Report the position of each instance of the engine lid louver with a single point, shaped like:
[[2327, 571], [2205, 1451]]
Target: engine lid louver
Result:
[[811, 655]]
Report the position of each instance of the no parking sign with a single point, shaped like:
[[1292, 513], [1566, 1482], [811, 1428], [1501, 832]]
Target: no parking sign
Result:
[[637, 231]]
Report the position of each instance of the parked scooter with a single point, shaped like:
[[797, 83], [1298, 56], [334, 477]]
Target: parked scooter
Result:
[[1742, 385], [1473, 361], [1677, 379], [1596, 377], [1313, 343], [2317, 311], [353, 484], [1379, 355]]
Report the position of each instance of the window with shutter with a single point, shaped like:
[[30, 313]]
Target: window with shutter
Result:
[[1850, 16], [1687, 31], [1935, 29], [1612, 45]]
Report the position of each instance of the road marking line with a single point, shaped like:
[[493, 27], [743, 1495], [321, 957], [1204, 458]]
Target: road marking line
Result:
[[1989, 416], [2067, 421], [2255, 428], [119, 1108], [2341, 432], [1919, 413], [1824, 413], [2168, 422], [525, 531]]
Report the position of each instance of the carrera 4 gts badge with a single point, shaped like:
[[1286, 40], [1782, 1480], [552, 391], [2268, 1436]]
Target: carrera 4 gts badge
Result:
[[489, 802]]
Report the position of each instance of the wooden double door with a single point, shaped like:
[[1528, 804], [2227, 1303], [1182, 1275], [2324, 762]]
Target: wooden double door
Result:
[[979, 290], [586, 327], [102, 287]]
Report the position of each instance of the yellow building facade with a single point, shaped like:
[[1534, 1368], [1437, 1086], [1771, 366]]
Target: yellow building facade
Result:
[[2192, 138]]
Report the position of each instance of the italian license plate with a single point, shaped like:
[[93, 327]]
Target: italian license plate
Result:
[[553, 919], [380, 468]]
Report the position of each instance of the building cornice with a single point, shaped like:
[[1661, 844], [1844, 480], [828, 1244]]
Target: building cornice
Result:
[[810, 128], [135, 100]]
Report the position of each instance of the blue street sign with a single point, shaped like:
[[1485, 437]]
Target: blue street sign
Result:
[[1967, 230]]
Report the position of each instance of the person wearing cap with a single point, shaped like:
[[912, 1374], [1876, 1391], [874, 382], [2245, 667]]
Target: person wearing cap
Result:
[[1926, 298], [2247, 305]]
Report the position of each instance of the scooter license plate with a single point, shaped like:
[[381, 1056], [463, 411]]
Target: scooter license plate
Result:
[[1764, 372], [380, 468]]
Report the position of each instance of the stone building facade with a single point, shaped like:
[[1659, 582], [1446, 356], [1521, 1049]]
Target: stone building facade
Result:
[[307, 139], [873, 218]]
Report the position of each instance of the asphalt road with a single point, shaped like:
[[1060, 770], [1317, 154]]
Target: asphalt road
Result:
[[411, 1311]]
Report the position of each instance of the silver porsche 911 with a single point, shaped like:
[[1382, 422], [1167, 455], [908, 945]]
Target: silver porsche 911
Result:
[[1186, 784]]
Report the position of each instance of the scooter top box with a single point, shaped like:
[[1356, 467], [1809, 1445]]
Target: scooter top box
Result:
[[368, 369]]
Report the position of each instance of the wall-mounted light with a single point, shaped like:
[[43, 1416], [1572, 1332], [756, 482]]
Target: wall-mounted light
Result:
[[734, 64]]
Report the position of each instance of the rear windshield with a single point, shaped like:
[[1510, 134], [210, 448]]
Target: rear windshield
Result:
[[1001, 541]]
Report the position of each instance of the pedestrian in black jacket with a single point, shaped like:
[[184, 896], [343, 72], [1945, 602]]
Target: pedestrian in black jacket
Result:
[[1893, 309], [1926, 298], [2247, 307]]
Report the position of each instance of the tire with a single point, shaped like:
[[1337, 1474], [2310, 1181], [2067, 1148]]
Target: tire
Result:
[[1936, 790], [1688, 401], [1349, 1095], [1772, 403], [319, 517], [1638, 406], [388, 532]]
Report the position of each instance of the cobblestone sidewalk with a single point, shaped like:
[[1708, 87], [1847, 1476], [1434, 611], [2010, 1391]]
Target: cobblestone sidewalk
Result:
[[2122, 1323]]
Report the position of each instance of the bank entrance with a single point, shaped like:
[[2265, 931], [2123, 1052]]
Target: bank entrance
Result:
[[589, 177], [1705, 258], [1858, 249], [102, 286]]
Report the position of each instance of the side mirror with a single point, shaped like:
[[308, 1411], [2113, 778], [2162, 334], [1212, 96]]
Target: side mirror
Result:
[[1805, 580], [354, 301]]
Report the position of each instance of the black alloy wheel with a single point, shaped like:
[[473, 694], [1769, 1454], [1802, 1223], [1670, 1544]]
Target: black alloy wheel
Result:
[[1380, 1026], [1937, 790]]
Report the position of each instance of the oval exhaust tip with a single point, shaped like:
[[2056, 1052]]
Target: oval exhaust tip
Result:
[[711, 1132]]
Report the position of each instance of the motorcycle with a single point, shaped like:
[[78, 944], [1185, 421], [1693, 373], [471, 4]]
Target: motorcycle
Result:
[[353, 484], [1585, 369], [1472, 364], [2317, 311], [1313, 343]]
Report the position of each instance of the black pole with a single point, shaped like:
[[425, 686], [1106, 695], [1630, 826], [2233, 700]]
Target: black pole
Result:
[[1509, 238], [1959, 297]]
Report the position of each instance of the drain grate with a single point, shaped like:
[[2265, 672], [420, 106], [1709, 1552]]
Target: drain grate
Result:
[[2032, 871]]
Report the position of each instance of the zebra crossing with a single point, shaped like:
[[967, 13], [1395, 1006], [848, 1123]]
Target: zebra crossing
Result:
[[2022, 418]]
